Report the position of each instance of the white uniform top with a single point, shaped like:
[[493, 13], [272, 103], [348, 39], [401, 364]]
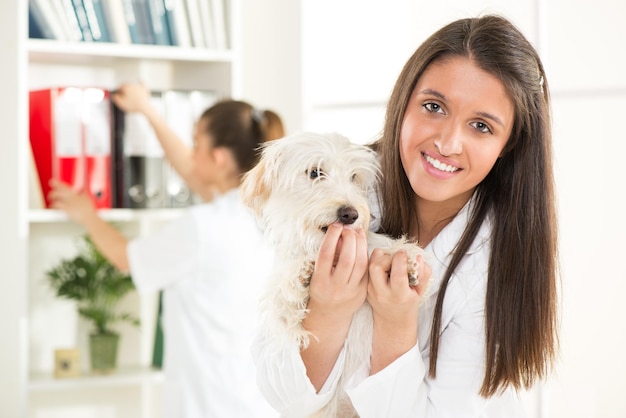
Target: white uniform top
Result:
[[403, 388], [212, 264]]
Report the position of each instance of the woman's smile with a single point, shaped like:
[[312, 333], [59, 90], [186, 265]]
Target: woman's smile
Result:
[[440, 167]]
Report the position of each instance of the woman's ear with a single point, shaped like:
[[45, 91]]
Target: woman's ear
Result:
[[223, 157]]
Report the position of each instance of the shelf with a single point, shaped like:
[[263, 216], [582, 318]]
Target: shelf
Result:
[[45, 51], [111, 215], [36, 238], [126, 376]]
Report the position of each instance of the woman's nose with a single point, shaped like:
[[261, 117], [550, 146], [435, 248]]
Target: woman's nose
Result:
[[450, 142]]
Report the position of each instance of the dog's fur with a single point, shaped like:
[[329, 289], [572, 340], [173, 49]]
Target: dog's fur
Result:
[[302, 184]]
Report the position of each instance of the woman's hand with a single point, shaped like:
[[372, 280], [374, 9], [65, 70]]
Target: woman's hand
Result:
[[339, 283], [337, 289], [132, 97], [77, 205], [394, 304], [79, 208]]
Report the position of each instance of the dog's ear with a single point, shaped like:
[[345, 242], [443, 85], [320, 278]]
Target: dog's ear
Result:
[[255, 187]]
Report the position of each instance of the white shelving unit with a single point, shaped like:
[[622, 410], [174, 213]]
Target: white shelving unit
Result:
[[128, 376], [33, 240], [42, 216]]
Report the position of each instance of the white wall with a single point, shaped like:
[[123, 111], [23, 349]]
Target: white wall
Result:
[[270, 72], [354, 50], [585, 53], [351, 54]]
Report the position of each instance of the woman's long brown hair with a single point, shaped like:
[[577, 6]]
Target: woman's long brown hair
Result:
[[518, 195]]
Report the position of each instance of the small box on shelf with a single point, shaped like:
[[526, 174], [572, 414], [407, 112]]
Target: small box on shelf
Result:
[[66, 362]]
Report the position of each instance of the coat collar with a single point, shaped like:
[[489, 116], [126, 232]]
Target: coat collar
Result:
[[443, 244], [438, 252]]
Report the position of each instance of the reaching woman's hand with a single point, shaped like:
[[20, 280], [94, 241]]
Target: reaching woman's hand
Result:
[[132, 97], [78, 205]]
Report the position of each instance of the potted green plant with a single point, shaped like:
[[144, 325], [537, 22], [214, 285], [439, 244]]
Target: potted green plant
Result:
[[97, 287]]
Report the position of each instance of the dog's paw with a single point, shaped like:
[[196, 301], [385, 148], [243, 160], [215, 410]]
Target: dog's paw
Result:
[[392, 246], [413, 265], [412, 251], [306, 272]]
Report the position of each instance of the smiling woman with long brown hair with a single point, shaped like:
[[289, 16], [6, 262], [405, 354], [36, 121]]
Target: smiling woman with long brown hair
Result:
[[467, 171]]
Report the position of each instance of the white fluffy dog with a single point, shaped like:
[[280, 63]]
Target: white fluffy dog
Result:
[[302, 184]]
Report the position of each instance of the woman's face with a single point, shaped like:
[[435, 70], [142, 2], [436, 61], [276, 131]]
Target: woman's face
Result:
[[456, 125], [203, 158]]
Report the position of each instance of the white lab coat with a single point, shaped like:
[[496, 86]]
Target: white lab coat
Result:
[[404, 389], [212, 264]]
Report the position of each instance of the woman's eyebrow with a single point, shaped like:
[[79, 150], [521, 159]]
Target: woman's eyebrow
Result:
[[434, 93], [492, 117]]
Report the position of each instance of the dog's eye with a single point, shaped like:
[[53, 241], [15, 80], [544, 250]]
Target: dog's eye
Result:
[[315, 173]]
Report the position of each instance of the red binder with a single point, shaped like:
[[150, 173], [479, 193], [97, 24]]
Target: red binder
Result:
[[70, 133], [97, 145]]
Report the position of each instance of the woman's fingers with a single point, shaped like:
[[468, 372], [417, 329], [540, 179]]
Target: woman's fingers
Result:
[[131, 97], [326, 254], [380, 264], [58, 191], [389, 273], [351, 256], [343, 254], [399, 273]]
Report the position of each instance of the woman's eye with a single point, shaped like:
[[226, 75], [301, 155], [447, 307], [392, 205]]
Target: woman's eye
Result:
[[433, 107], [482, 127]]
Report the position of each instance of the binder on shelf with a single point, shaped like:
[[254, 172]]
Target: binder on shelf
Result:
[[145, 34], [128, 161], [38, 28], [68, 21], [142, 176], [131, 21], [97, 145], [155, 160], [94, 11], [177, 22], [220, 27], [81, 18], [59, 133], [72, 20], [56, 136], [118, 179], [159, 24], [138, 161], [179, 116], [195, 23], [116, 19], [46, 19], [35, 194], [207, 24]]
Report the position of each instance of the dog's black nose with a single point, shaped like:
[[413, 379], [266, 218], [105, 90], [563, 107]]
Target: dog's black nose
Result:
[[347, 215]]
